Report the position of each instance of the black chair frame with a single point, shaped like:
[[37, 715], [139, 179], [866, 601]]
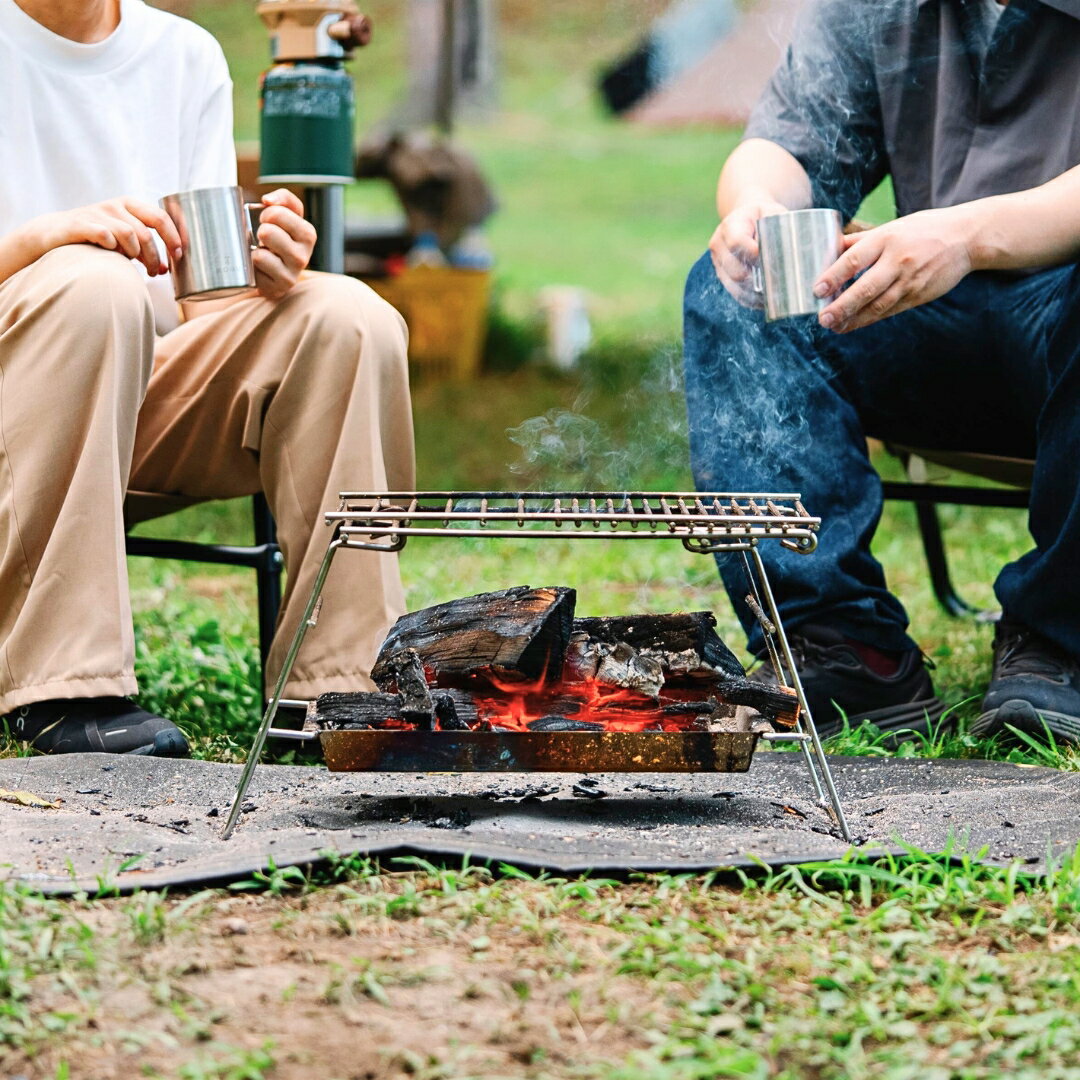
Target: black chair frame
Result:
[[926, 498], [263, 556]]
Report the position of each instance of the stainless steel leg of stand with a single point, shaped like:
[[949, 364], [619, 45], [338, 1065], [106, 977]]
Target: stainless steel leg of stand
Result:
[[785, 648], [325, 208], [778, 668], [306, 623]]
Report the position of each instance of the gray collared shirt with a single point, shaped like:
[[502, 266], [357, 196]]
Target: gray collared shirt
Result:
[[876, 87]]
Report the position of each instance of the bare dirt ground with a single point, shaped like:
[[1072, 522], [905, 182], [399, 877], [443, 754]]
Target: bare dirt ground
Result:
[[334, 985], [445, 974]]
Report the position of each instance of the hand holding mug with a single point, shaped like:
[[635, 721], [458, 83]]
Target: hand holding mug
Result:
[[898, 266], [735, 250], [230, 247], [286, 242], [123, 225]]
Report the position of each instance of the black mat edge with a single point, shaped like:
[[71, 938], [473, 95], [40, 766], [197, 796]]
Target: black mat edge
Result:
[[245, 866]]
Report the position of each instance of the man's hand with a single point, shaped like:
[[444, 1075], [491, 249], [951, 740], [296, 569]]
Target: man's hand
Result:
[[286, 240], [734, 249], [123, 225], [907, 262]]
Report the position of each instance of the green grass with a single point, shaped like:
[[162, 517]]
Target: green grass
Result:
[[916, 967]]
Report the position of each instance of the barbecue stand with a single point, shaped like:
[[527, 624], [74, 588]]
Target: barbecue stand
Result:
[[704, 523]]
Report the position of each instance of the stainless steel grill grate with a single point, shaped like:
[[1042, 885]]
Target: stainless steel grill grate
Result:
[[705, 522]]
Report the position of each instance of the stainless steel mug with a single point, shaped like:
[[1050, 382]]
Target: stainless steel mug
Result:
[[217, 231], [795, 248]]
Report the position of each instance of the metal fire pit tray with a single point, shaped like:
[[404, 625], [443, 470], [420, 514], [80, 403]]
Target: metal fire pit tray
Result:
[[704, 522], [538, 751]]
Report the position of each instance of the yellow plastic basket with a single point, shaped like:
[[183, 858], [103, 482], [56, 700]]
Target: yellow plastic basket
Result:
[[446, 310]]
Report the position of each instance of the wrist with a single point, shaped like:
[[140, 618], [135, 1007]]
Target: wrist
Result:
[[18, 249], [980, 237], [759, 199], [29, 241]]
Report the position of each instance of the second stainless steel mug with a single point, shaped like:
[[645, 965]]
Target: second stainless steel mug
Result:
[[217, 230], [795, 249]]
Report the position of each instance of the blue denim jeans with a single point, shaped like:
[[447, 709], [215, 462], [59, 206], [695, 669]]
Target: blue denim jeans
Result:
[[992, 367]]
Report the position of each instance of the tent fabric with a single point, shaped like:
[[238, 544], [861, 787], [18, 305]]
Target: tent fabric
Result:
[[722, 88]]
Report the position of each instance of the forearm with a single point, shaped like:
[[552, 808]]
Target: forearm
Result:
[[18, 249], [1026, 229], [761, 171]]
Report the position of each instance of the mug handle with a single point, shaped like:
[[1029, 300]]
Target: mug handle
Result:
[[756, 282], [253, 212]]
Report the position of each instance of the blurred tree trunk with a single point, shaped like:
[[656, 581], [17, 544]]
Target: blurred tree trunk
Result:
[[452, 65]]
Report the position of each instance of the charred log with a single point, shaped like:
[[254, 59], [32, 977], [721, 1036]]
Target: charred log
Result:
[[563, 723], [359, 711], [620, 665], [356, 710], [779, 703], [519, 633], [689, 708], [691, 635], [612, 663], [411, 683]]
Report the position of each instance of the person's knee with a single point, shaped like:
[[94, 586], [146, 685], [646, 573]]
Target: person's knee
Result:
[[94, 285], [359, 328], [727, 345], [719, 334], [101, 300]]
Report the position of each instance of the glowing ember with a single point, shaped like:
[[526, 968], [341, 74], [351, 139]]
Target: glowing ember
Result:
[[510, 706]]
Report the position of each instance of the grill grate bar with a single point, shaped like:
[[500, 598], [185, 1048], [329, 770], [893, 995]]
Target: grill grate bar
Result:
[[703, 516]]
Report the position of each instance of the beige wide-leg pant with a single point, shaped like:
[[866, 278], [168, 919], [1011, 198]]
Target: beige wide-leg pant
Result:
[[300, 398]]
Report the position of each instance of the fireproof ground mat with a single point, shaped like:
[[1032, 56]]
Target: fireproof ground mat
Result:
[[167, 816]]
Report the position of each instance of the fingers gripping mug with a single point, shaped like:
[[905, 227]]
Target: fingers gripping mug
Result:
[[217, 230], [795, 249]]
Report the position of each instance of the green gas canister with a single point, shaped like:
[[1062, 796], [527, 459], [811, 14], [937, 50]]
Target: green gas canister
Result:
[[307, 109]]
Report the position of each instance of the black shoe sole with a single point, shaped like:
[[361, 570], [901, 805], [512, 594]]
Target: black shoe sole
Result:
[[171, 744], [1023, 716]]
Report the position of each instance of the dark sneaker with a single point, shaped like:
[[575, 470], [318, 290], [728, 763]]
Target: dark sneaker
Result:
[[838, 678], [95, 726], [1034, 683]]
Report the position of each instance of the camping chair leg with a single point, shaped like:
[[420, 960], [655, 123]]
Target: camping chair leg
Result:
[[936, 558], [268, 575]]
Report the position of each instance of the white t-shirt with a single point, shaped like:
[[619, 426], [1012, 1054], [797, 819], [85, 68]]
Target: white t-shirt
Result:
[[143, 113]]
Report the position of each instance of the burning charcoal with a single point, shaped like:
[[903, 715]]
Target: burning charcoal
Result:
[[725, 717], [621, 666], [689, 708], [563, 723], [416, 704], [582, 659], [688, 639], [487, 725], [447, 714], [564, 706]]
